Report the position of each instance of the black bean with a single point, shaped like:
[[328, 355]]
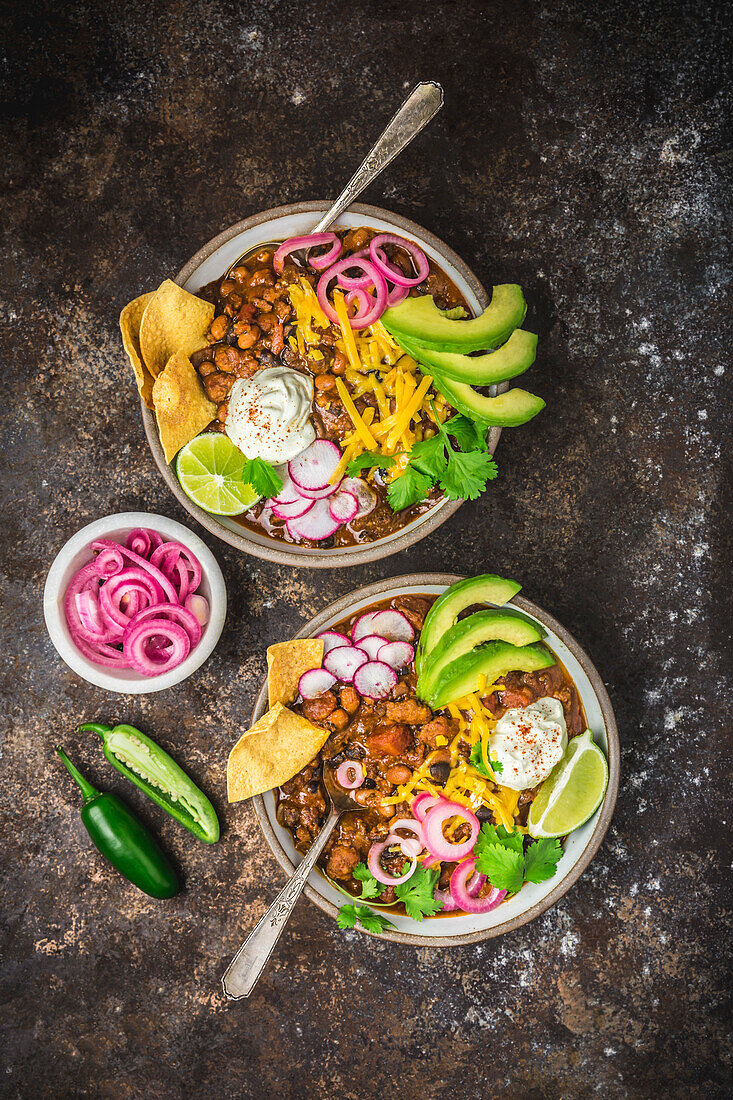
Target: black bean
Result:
[[484, 814], [440, 772], [314, 786], [369, 784], [357, 752], [337, 759]]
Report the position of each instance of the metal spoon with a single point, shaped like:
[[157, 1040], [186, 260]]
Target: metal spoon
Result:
[[241, 975]]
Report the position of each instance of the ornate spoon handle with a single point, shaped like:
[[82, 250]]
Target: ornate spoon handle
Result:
[[242, 974], [423, 102]]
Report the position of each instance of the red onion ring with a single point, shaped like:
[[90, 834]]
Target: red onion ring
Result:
[[168, 590], [396, 295], [432, 826], [375, 866], [138, 633], [176, 613], [310, 240], [131, 581], [357, 775], [463, 895], [422, 803], [361, 320], [411, 846], [142, 541], [394, 274]]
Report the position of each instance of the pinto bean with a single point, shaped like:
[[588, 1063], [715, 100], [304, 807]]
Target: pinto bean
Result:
[[339, 719], [218, 327], [397, 774], [217, 386]]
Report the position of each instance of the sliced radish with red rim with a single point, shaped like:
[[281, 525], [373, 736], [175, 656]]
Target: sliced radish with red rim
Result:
[[372, 644], [344, 661], [315, 525], [314, 682], [374, 680], [343, 507], [293, 509], [288, 494], [313, 467], [396, 654], [366, 498], [332, 640], [392, 625]]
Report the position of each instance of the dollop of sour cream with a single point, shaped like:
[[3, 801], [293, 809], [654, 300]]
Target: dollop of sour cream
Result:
[[529, 742], [268, 415]]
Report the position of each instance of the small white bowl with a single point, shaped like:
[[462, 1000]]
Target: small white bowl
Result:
[[76, 553]]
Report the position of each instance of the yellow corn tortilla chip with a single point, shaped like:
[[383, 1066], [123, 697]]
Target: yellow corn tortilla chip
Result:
[[286, 663], [130, 320], [275, 749], [182, 408], [174, 320]]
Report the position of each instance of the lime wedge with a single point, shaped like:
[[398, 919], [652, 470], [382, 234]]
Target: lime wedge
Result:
[[573, 790], [210, 469]]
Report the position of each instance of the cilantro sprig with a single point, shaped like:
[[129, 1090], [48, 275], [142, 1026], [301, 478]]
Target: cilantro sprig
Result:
[[501, 857], [348, 915], [367, 461], [262, 476], [417, 894], [476, 761], [461, 471], [370, 887]]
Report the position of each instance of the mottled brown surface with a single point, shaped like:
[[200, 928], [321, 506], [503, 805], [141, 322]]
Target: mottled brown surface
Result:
[[581, 153]]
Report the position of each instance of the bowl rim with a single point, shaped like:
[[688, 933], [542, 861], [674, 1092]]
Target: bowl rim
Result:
[[58, 631], [272, 550], [380, 589]]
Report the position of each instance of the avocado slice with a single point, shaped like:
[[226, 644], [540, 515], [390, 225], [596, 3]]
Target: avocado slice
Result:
[[420, 319], [486, 588], [492, 661], [512, 358], [463, 636], [507, 410]]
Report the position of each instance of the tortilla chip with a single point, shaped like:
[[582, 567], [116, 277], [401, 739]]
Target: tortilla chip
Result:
[[174, 320], [275, 749], [130, 319], [286, 663], [182, 408]]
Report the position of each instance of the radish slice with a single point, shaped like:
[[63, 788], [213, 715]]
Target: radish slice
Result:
[[374, 680], [314, 682], [318, 494], [313, 467], [344, 661], [395, 626], [316, 524], [289, 492], [365, 495], [343, 507], [332, 640], [293, 509], [392, 625], [396, 654], [372, 644]]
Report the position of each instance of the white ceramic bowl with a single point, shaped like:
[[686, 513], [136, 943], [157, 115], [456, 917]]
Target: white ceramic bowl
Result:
[[209, 263], [76, 553], [580, 846]]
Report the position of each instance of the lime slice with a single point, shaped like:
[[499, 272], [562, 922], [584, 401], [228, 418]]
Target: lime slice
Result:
[[210, 469], [572, 791]]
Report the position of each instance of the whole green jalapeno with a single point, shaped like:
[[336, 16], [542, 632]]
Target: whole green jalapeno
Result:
[[123, 839], [150, 768]]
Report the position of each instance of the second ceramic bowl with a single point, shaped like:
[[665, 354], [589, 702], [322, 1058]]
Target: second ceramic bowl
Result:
[[210, 263]]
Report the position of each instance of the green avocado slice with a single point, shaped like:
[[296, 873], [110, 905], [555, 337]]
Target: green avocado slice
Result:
[[420, 319], [492, 661], [511, 359], [486, 588], [507, 410], [463, 636]]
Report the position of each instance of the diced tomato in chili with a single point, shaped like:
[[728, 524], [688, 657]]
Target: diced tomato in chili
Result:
[[389, 742]]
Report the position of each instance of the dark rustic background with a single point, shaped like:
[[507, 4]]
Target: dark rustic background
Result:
[[580, 152]]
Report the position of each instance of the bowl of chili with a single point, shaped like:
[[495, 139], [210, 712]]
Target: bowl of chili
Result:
[[254, 532], [586, 704]]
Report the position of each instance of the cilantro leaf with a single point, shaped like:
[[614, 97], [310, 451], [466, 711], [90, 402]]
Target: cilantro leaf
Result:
[[476, 761], [541, 859], [410, 487], [469, 435], [373, 922], [262, 476], [503, 867], [467, 474], [491, 834], [417, 894], [346, 916], [367, 461], [429, 455], [370, 888]]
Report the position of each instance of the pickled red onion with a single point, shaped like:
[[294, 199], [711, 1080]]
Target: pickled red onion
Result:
[[463, 895], [375, 866], [350, 775], [432, 827], [310, 240], [139, 633], [395, 275]]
